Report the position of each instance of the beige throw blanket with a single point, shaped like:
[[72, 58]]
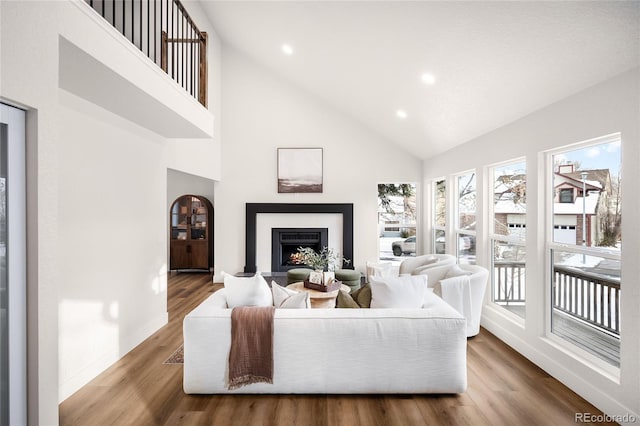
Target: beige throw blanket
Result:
[[251, 354]]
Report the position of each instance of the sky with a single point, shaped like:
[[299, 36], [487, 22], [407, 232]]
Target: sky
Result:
[[603, 156]]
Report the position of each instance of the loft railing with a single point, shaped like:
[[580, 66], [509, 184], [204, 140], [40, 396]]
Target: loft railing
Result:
[[164, 31], [592, 298]]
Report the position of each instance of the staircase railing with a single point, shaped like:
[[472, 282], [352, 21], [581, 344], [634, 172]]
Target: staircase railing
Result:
[[166, 34]]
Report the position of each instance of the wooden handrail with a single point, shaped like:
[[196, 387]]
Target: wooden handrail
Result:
[[166, 27]]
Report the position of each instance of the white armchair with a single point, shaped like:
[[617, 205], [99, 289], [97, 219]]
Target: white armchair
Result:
[[415, 265], [470, 297]]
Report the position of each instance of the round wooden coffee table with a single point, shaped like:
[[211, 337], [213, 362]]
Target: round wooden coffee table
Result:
[[320, 299]]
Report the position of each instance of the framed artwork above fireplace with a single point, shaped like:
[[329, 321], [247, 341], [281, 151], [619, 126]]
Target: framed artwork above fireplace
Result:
[[300, 170]]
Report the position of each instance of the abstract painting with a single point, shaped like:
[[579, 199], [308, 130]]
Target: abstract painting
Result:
[[300, 170]]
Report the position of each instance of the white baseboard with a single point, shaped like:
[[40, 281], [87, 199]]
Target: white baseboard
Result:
[[100, 364]]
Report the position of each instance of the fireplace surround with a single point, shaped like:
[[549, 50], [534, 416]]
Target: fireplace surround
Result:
[[253, 209]]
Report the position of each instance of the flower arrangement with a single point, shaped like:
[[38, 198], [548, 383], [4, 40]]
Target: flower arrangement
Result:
[[324, 260]]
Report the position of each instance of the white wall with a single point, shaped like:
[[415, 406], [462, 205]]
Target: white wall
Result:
[[112, 226], [262, 113], [612, 106], [179, 183], [98, 184]]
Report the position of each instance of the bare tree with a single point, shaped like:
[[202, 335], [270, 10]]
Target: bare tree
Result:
[[611, 219], [388, 190]]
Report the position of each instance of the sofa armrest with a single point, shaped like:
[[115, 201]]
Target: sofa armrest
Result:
[[217, 300]]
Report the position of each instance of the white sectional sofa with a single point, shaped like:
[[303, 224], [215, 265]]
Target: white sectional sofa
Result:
[[337, 351]]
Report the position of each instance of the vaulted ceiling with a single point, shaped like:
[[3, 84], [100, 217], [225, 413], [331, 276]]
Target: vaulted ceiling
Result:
[[492, 62]]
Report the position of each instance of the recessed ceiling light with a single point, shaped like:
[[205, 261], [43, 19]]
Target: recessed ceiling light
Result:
[[402, 114], [428, 78], [287, 49]]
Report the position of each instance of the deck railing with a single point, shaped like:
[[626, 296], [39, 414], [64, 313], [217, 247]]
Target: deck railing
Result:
[[510, 280], [589, 297], [164, 31]]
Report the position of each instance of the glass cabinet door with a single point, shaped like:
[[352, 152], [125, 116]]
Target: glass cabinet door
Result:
[[198, 219], [180, 219]]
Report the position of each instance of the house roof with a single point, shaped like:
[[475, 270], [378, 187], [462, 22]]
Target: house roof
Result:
[[591, 204], [598, 178]]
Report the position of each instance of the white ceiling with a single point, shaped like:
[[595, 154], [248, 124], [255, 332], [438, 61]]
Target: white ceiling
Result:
[[494, 62]]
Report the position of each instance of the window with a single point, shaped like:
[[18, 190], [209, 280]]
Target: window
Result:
[[397, 221], [566, 195], [439, 216], [466, 215], [585, 247], [508, 184]]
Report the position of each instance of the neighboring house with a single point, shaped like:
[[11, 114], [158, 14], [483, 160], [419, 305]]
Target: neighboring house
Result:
[[569, 204]]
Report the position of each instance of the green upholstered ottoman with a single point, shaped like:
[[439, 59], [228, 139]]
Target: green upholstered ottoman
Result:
[[297, 275], [349, 277]]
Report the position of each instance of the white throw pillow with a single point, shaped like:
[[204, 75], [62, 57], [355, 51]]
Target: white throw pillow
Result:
[[289, 299], [456, 271], [430, 298], [247, 291], [399, 292], [377, 270]]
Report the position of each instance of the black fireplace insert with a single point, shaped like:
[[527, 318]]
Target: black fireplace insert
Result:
[[286, 241]]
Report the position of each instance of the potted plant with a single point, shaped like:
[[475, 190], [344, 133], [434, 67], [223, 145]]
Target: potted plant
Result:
[[325, 260]]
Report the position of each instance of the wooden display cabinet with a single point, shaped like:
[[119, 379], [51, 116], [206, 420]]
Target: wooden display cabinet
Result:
[[191, 245]]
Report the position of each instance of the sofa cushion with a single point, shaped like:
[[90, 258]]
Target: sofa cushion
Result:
[[289, 299], [399, 292], [247, 291], [344, 300], [361, 298]]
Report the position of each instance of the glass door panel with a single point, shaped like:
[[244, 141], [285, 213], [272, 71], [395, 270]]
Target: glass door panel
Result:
[[4, 283], [13, 335]]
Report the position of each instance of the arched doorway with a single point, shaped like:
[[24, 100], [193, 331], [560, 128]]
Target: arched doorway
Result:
[[191, 233]]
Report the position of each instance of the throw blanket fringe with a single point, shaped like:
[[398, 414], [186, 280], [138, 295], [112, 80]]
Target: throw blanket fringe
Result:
[[251, 353]]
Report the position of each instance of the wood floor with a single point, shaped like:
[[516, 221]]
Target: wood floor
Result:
[[504, 389]]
